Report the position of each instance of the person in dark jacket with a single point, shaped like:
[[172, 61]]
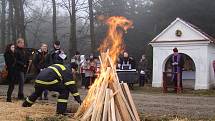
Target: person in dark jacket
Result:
[[10, 62], [177, 63], [142, 69], [21, 65], [56, 56], [56, 78], [126, 62], [40, 56], [39, 63]]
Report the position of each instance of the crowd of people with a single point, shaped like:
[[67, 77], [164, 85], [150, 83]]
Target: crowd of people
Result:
[[17, 63], [87, 67], [53, 74]]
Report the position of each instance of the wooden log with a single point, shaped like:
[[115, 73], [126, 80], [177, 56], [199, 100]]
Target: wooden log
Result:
[[109, 111], [120, 104], [82, 108], [117, 84], [101, 105], [113, 112], [119, 112], [100, 109], [88, 113], [101, 63], [88, 98], [123, 99], [104, 59], [99, 102], [101, 93], [91, 94], [87, 120], [113, 68], [131, 102], [106, 105], [118, 117], [127, 105]]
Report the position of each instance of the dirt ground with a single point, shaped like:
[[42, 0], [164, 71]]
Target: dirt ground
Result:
[[151, 104]]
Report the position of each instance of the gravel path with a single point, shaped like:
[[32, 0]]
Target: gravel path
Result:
[[194, 107], [185, 106]]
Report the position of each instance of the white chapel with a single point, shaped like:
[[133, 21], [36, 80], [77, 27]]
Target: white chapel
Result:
[[198, 48]]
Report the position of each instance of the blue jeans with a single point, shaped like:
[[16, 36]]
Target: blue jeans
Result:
[[20, 76]]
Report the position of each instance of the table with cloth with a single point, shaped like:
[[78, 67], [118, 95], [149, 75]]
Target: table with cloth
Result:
[[128, 76]]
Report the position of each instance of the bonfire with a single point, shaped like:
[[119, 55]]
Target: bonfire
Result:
[[108, 99]]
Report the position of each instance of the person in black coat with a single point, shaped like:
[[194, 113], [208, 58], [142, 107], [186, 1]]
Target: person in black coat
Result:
[[142, 69], [40, 56], [56, 56], [126, 62], [10, 62], [21, 65], [39, 63]]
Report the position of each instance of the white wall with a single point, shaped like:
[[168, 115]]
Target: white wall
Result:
[[199, 54], [188, 33], [211, 56]]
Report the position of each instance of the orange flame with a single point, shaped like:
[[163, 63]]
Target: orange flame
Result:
[[114, 43], [114, 39]]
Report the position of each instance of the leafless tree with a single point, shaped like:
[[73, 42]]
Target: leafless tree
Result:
[[3, 23], [70, 6], [19, 18], [11, 35], [54, 19], [92, 34]]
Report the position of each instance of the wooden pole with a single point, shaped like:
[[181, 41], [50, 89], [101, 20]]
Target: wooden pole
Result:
[[116, 81], [84, 107], [101, 93], [88, 113], [109, 111], [100, 108], [118, 117], [106, 105], [120, 104], [113, 112], [131, 102]]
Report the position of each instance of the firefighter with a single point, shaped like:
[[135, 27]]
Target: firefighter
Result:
[[56, 78]]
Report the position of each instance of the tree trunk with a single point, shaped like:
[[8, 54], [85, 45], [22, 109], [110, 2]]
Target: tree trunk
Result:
[[73, 42], [22, 20], [92, 34], [54, 19], [3, 24], [11, 26], [19, 18], [11, 29], [15, 20]]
